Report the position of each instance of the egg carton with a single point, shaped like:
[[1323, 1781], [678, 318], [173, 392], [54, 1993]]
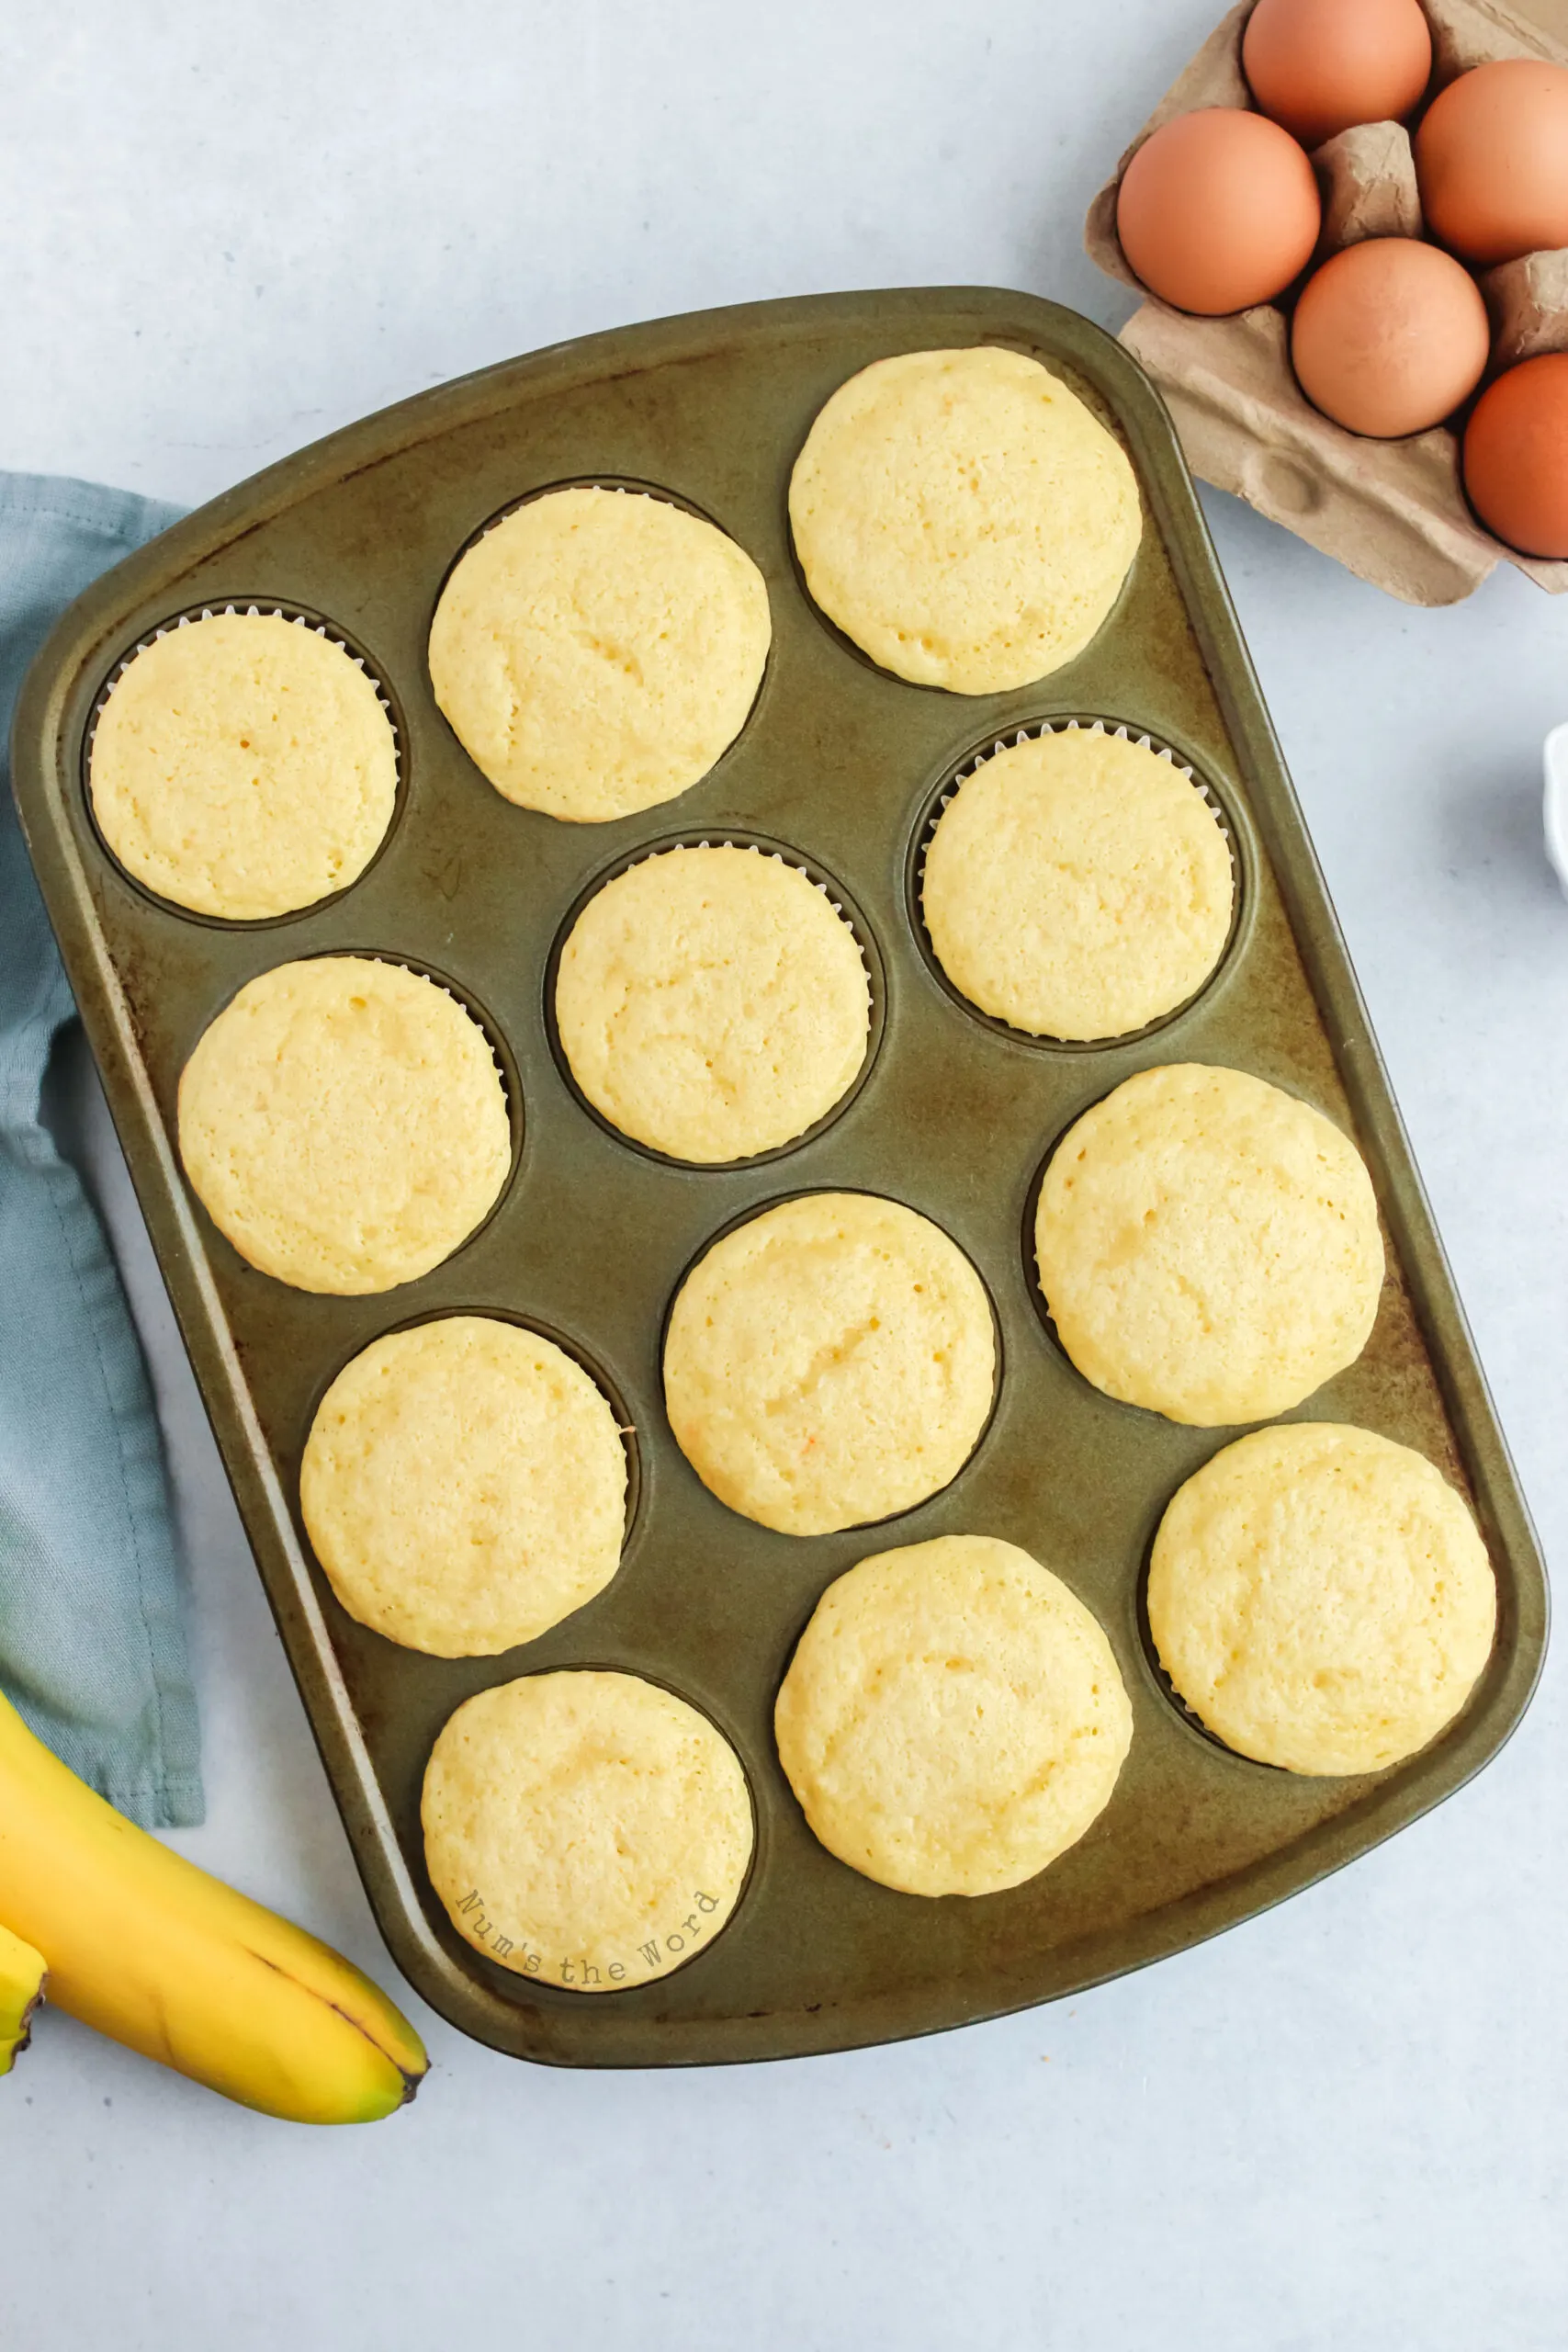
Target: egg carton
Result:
[[1393, 512]]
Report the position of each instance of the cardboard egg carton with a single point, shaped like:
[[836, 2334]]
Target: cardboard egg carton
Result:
[[1393, 512]]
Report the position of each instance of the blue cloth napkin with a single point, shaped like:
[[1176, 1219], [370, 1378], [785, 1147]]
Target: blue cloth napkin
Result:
[[92, 1642]]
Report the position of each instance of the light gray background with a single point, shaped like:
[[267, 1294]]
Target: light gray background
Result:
[[229, 228]]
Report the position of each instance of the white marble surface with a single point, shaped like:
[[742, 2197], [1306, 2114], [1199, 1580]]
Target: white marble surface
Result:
[[228, 229]]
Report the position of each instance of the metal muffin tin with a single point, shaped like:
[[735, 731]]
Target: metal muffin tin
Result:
[[840, 765]]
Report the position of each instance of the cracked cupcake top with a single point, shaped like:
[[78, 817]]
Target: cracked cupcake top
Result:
[[598, 650], [713, 1002], [829, 1363]]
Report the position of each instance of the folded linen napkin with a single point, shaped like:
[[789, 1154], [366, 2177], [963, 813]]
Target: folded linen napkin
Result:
[[92, 1643]]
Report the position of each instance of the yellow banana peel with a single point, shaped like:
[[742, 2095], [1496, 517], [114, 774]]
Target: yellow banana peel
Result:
[[22, 1978], [150, 1950]]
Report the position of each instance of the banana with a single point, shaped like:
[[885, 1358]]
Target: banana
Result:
[[22, 1975], [155, 1954]]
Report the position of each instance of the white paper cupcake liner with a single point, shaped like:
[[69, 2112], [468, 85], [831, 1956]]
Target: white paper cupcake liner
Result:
[[1032, 734], [720, 837], [267, 608]]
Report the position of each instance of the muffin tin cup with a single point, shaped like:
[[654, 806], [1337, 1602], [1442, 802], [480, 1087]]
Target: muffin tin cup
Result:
[[839, 768], [632, 489], [583, 1357], [484, 1022], [947, 791], [265, 608], [838, 897], [501, 1976], [864, 1528]]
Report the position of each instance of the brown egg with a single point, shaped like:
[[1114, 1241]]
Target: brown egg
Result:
[[1515, 455], [1492, 160], [1318, 67], [1389, 336], [1217, 211]]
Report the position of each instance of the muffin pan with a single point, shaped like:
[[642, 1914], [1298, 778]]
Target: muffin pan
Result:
[[839, 766]]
